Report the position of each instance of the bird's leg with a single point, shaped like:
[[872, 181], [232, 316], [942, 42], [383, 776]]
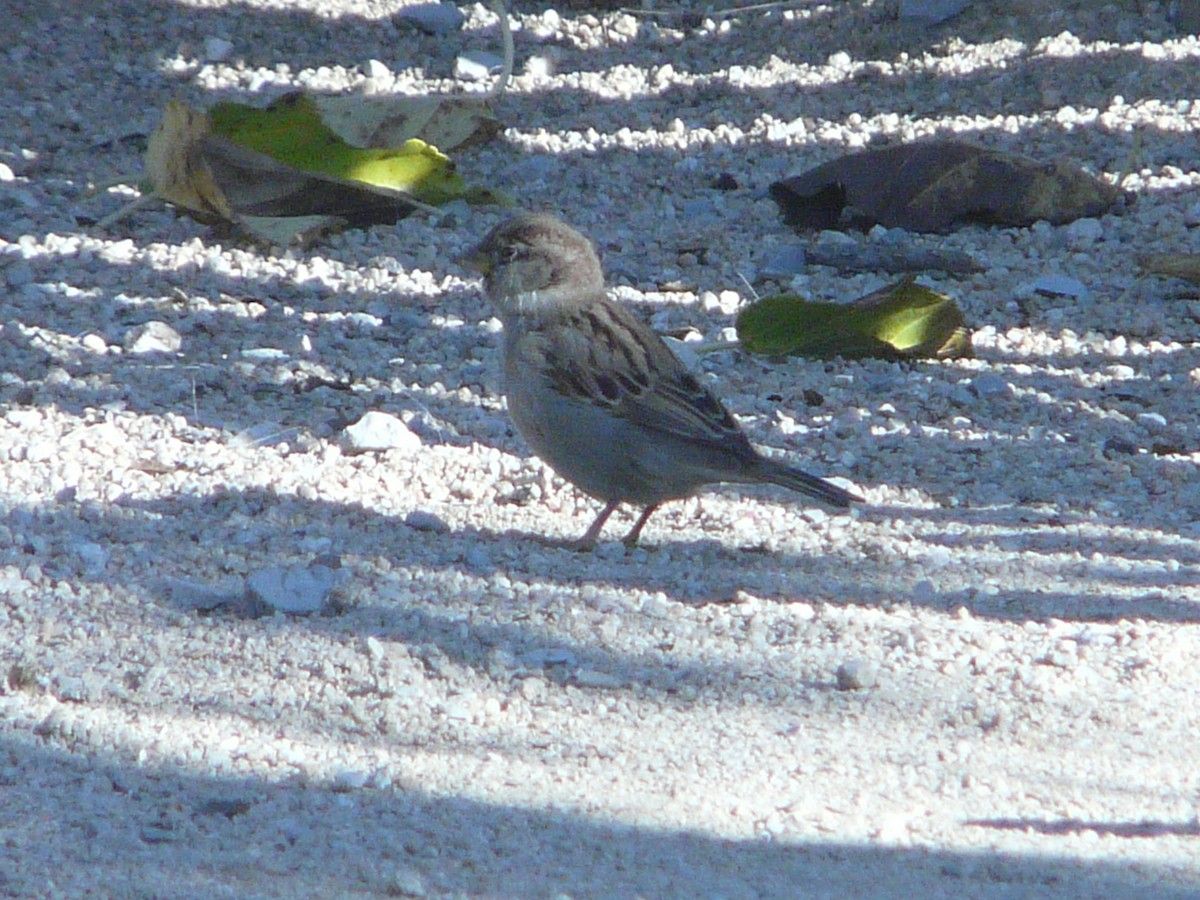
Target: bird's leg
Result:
[[635, 532], [588, 541]]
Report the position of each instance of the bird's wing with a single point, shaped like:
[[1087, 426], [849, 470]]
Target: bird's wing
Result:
[[605, 355]]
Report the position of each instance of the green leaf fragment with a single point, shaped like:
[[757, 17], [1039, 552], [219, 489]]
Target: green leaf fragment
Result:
[[292, 131], [905, 320]]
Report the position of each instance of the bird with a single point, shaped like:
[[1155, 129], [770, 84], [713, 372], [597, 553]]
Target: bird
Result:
[[598, 395]]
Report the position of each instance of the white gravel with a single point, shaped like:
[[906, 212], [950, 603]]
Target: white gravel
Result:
[[981, 684]]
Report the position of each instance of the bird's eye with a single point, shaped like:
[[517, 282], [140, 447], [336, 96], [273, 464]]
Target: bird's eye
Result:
[[513, 252]]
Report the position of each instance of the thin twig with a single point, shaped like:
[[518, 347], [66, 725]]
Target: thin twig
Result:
[[126, 210], [709, 13], [749, 286], [497, 6]]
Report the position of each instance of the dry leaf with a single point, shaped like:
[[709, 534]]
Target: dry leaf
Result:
[[448, 123], [175, 165], [937, 185], [189, 166], [1173, 265]]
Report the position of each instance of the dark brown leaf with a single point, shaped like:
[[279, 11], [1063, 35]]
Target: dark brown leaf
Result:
[[937, 185]]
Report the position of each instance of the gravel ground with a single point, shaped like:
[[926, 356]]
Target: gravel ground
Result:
[[980, 684]]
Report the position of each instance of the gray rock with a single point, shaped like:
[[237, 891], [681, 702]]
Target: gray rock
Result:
[[931, 12], [1060, 286], [217, 49], [784, 262], [1119, 445], [93, 558], [72, 689], [433, 18], [406, 882], [699, 213], [297, 590], [856, 675], [420, 520], [1084, 232], [989, 385]]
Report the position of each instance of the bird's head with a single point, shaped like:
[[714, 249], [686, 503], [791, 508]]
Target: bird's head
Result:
[[534, 256]]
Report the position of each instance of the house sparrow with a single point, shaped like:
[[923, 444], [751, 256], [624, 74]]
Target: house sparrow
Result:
[[596, 393]]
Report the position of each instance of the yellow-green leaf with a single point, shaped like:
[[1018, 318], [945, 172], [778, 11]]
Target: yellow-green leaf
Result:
[[903, 320], [292, 131]]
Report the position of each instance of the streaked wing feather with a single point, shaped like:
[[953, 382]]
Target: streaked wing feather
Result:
[[605, 354]]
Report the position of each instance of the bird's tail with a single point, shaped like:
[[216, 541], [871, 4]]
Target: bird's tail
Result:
[[811, 485]]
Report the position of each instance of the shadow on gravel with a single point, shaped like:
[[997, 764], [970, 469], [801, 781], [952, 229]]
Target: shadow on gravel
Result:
[[95, 825], [489, 599], [354, 365], [1145, 828]]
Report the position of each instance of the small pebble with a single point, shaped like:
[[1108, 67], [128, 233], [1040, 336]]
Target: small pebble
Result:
[[1084, 232], [477, 65], [153, 337], [217, 49], [1117, 445], [71, 690], [381, 431], [1060, 286], [785, 262], [377, 70], [94, 343], [856, 675], [541, 65], [989, 385], [420, 520], [297, 590], [406, 882], [346, 780], [93, 558]]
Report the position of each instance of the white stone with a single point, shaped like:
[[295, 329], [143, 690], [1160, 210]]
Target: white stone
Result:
[[477, 65], [153, 337], [381, 431]]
